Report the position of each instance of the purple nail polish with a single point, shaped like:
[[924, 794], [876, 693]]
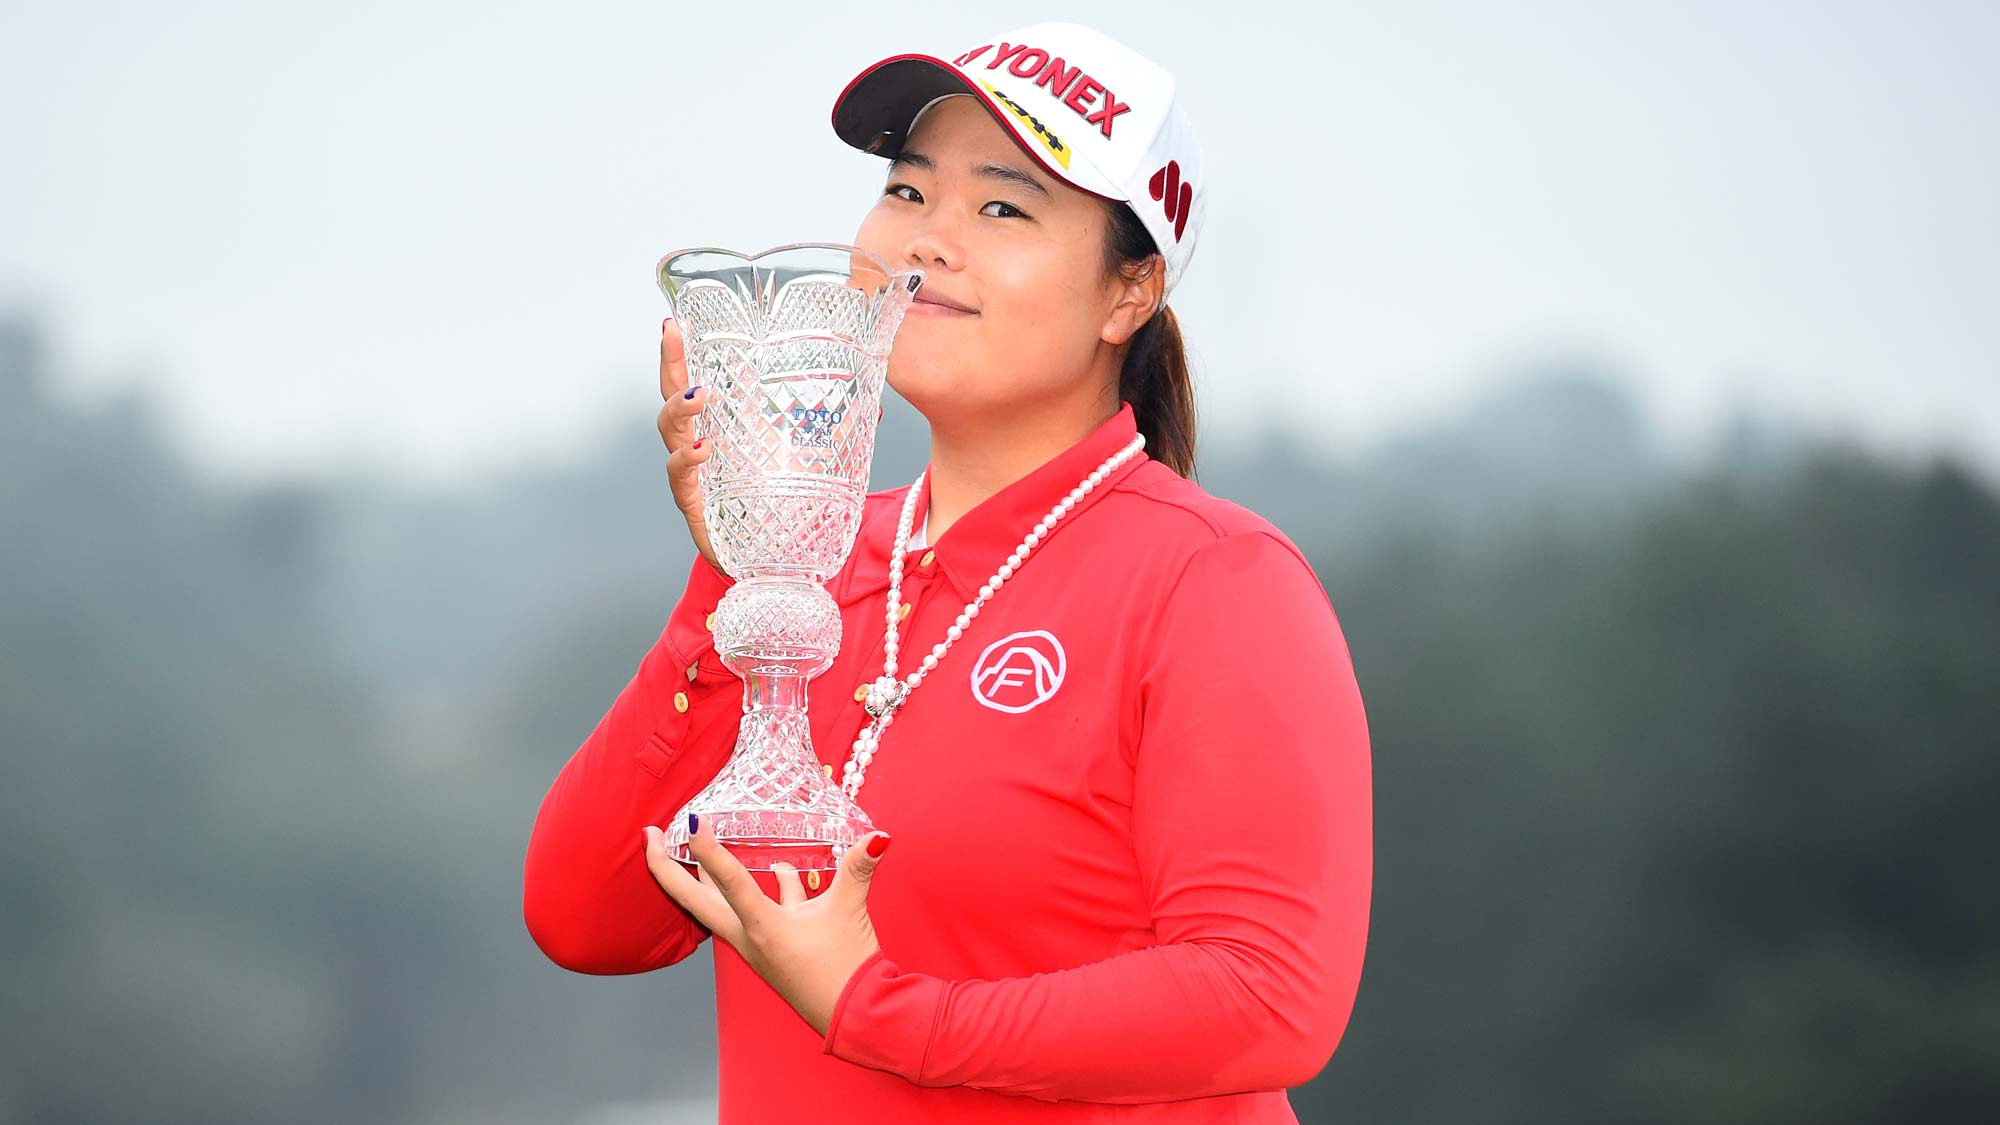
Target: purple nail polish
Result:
[[691, 390], [694, 824]]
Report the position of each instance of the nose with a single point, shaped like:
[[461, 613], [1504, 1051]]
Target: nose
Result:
[[935, 244]]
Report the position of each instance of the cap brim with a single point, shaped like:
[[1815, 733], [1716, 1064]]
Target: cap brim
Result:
[[876, 110]]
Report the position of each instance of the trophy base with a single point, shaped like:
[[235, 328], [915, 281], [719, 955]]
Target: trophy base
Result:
[[761, 838]]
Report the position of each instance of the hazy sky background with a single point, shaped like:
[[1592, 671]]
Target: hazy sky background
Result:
[[420, 236]]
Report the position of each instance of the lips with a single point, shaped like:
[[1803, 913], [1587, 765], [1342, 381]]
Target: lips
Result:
[[926, 296]]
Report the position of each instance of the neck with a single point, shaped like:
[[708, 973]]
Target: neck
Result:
[[970, 463]]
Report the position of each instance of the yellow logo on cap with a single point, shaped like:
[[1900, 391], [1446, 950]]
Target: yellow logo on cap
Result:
[[1042, 132]]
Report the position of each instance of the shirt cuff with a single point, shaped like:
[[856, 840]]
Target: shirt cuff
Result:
[[885, 1018], [711, 570]]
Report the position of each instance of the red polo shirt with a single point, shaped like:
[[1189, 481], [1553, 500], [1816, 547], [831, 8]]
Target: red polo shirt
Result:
[[1131, 808]]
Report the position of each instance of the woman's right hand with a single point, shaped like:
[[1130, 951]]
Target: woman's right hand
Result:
[[676, 421]]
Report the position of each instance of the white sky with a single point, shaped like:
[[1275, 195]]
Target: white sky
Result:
[[420, 236]]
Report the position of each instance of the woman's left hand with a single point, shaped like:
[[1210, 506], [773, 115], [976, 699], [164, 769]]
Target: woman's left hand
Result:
[[807, 948]]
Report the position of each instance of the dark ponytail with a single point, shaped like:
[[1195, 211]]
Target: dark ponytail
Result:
[[1155, 378]]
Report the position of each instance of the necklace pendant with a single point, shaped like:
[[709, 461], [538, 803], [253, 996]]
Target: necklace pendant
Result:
[[883, 696]]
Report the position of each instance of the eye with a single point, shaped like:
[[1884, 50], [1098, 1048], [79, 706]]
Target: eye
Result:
[[897, 190], [1017, 212]]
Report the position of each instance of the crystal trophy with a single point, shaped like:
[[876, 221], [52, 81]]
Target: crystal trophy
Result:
[[792, 346]]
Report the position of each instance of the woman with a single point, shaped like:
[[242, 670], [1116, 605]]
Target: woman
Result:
[[1131, 786]]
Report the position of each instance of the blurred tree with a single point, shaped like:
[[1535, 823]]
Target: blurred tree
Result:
[[1680, 781]]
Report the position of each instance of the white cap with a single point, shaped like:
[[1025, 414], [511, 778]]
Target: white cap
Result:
[[1091, 111]]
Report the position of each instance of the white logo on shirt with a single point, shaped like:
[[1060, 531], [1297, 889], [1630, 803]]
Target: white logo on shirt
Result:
[[1019, 672]]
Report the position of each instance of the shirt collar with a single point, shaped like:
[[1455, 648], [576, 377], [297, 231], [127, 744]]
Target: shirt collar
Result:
[[978, 542]]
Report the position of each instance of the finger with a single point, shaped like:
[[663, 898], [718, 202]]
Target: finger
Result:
[[676, 426], [673, 360], [729, 876], [682, 477], [679, 419], [704, 902], [791, 891], [857, 867]]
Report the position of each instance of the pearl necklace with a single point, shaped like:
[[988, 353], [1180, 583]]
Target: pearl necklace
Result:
[[887, 694]]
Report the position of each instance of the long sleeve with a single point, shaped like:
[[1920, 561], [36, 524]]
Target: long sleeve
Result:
[[589, 902], [1252, 827]]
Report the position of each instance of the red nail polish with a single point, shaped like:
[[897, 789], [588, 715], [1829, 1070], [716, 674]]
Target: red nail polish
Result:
[[697, 444], [877, 846]]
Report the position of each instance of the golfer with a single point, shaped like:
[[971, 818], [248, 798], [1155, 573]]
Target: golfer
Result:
[[1129, 794]]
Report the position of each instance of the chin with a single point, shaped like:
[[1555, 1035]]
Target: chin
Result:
[[927, 390], [937, 385]]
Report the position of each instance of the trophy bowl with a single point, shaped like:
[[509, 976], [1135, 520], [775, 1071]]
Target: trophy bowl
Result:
[[792, 345]]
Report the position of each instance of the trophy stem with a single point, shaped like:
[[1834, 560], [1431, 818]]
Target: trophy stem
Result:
[[767, 691], [774, 801]]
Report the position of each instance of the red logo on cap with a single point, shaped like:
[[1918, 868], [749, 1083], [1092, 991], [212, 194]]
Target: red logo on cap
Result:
[[1167, 185]]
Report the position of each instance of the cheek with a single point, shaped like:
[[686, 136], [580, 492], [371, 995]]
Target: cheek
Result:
[[878, 236], [1047, 309], [1051, 276]]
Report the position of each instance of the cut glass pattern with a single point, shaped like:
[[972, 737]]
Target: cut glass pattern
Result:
[[793, 348]]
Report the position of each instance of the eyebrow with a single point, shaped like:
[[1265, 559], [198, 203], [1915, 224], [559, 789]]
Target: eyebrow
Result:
[[1005, 172]]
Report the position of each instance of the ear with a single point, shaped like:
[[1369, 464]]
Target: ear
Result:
[[1137, 298]]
